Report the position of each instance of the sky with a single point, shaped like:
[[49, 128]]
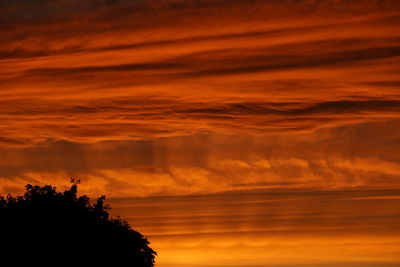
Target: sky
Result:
[[229, 132]]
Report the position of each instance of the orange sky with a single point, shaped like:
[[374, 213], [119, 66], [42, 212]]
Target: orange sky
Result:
[[259, 133]]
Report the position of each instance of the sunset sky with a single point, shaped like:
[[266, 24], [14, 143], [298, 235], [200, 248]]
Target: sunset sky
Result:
[[231, 133]]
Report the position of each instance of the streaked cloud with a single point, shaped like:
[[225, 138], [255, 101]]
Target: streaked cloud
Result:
[[122, 73]]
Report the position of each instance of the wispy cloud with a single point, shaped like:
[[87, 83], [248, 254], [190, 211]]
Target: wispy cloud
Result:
[[64, 78]]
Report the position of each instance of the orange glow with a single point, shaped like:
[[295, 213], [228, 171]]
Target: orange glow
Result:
[[356, 227], [231, 132]]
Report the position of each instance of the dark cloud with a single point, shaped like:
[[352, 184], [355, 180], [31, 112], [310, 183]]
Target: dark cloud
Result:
[[11, 141], [98, 69], [54, 27], [231, 62]]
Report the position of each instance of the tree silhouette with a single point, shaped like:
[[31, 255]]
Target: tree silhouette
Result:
[[49, 228]]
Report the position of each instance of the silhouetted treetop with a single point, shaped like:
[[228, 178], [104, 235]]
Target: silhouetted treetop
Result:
[[45, 228]]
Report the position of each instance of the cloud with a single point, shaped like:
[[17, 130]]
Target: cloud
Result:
[[359, 225], [343, 156], [141, 70], [219, 176], [32, 122]]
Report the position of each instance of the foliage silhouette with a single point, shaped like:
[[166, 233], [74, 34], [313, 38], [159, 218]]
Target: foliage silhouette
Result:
[[49, 228]]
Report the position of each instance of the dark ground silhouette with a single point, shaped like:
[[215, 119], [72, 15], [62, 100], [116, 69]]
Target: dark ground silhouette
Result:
[[49, 228]]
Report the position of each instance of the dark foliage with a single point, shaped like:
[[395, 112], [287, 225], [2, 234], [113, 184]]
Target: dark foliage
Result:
[[49, 228]]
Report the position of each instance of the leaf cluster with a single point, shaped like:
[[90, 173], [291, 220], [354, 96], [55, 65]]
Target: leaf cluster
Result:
[[46, 227]]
